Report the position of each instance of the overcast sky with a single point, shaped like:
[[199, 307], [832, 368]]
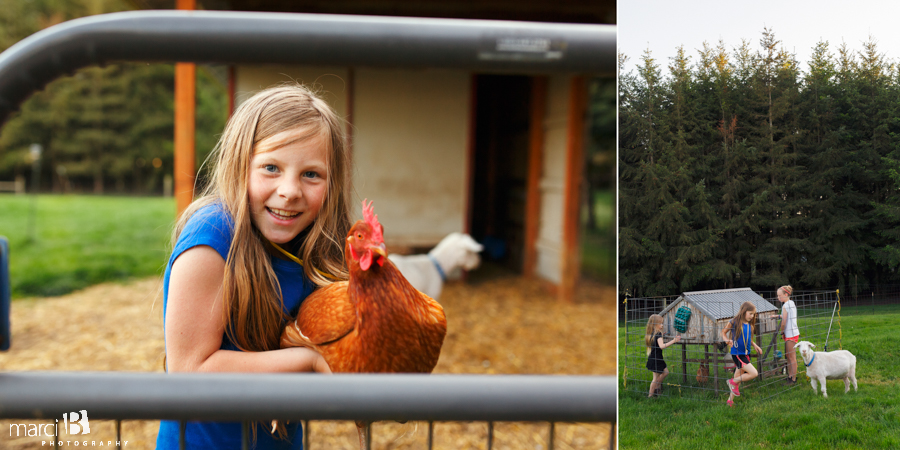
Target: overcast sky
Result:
[[663, 25]]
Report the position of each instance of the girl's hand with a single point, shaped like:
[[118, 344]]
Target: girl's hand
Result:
[[729, 342], [677, 339], [307, 360]]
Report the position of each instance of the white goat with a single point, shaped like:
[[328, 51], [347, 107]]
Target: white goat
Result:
[[836, 365], [428, 273]]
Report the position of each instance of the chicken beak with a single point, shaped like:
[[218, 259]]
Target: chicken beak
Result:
[[379, 250]]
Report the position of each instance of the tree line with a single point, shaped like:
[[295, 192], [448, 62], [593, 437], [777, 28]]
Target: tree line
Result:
[[103, 129], [742, 168]]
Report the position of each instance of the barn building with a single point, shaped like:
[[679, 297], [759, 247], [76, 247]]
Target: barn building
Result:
[[497, 155]]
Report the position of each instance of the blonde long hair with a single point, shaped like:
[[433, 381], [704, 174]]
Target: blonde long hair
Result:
[[654, 321], [253, 304]]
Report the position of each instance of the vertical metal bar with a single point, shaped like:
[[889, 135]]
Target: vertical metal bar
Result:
[[118, 434], [430, 434], [612, 436], [305, 435], [550, 438], [245, 435], [56, 434], [368, 435], [490, 443], [829, 326], [182, 425]]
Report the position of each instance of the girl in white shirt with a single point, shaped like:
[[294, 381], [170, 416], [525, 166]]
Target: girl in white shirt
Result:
[[790, 331]]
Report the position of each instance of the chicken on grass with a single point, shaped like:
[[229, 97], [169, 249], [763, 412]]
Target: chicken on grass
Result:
[[376, 322]]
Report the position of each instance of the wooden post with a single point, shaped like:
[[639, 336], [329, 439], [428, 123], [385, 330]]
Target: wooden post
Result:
[[759, 356], [470, 151], [535, 169], [570, 255], [684, 364], [185, 102], [715, 373]]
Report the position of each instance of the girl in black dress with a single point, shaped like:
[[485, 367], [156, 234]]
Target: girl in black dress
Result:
[[653, 338]]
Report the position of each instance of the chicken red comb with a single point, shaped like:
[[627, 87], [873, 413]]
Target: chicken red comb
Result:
[[371, 218]]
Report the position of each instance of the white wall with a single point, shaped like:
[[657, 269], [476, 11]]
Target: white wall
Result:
[[552, 184], [409, 146]]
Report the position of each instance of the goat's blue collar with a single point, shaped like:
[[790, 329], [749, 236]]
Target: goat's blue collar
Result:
[[438, 267], [811, 360]]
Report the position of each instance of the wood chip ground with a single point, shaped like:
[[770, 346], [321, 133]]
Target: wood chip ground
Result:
[[507, 325]]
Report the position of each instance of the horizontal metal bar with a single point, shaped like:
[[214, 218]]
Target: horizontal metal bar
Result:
[[234, 397], [255, 38]]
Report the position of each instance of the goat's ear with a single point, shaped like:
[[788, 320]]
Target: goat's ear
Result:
[[472, 245], [811, 345]]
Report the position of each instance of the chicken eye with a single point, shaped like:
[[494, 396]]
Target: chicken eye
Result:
[[359, 235]]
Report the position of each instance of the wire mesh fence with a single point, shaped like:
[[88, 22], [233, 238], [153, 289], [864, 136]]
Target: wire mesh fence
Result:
[[700, 363]]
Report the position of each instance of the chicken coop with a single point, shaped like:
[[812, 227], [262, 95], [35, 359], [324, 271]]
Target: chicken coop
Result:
[[701, 362], [699, 318]]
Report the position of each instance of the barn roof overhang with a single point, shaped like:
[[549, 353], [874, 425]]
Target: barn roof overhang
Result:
[[256, 38], [723, 303]]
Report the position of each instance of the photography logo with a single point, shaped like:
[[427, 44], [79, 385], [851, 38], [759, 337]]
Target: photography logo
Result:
[[77, 422], [73, 424]]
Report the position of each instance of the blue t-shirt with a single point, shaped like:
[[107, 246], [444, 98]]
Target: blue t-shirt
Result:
[[212, 226], [742, 343]]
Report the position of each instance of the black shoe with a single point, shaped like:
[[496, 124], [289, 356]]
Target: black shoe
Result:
[[790, 382]]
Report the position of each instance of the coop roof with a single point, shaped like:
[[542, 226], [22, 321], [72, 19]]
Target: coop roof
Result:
[[724, 303]]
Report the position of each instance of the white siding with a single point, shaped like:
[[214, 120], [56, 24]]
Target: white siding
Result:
[[409, 144], [552, 185]]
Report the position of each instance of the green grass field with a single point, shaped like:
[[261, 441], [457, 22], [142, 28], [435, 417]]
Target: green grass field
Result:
[[83, 240], [795, 419], [598, 249]]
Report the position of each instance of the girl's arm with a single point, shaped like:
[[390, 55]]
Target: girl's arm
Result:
[[663, 344], [195, 323], [784, 317], [725, 332]]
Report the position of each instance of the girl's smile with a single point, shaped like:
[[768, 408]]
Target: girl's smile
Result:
[[287, 184]]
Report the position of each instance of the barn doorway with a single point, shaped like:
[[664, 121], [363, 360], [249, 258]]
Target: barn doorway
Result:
[[500, 167]]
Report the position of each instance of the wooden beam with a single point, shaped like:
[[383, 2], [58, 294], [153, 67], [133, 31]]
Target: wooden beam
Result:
[[575, 129], [185, 105], [470, 151], [535, 170]]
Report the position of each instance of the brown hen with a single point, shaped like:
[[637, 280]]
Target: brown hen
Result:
[[376, 321]]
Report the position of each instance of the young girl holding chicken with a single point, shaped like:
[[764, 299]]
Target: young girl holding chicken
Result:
[[279, 184], [738, 333], [653, 338]]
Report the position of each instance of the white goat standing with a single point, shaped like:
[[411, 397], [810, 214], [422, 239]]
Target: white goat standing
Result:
[[836, 365], [428, 273]]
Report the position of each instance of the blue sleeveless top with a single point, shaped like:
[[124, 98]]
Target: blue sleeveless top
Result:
[[213, 226], [742, 344]]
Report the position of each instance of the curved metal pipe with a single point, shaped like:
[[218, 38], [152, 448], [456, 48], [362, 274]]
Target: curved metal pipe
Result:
[[234, 397], [256, 38]]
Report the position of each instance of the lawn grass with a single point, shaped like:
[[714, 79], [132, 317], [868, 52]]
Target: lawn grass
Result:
[[598, 246], [795, 419], [82, 240]]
